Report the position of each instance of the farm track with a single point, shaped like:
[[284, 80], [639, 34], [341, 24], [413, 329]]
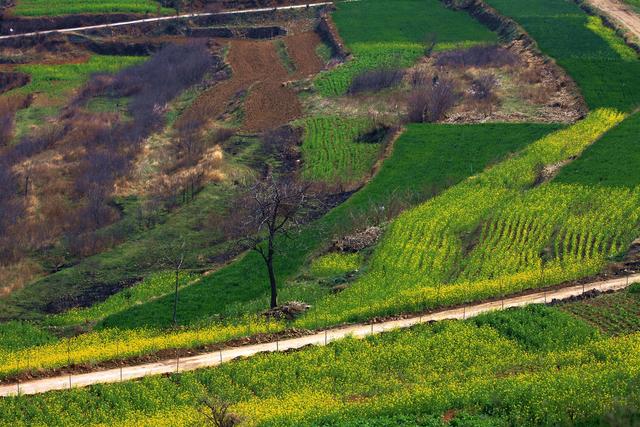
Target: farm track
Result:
[[258, 74], [621, 12], [164, 18], [206, 360]]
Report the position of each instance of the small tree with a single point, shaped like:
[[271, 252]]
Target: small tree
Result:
[[430, 41], [217, 413], [266, 210], [174, 254]]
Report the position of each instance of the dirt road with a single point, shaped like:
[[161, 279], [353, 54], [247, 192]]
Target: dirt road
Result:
[[322, 338], [165, 18], [621, 12]]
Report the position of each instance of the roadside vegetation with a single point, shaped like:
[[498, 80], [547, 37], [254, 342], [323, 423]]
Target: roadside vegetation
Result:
[[483, 370], [34, 8]]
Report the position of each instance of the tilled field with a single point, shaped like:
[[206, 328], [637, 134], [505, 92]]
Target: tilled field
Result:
[[258, 70]]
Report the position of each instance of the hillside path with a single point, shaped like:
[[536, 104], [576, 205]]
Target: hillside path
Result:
[[321, 338], [622, 12], [164, 18]]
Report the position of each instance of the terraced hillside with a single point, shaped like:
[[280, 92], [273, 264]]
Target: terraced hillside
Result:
[[461, 213]]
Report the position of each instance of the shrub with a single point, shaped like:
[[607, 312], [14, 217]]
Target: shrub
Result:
[[430, 103], [376, 80], [482, 87]]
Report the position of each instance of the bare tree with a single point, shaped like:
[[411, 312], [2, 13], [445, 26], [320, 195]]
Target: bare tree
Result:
[[174, 258], [266, 210], [217, 413]]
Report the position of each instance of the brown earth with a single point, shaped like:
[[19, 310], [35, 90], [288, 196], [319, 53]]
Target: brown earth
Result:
[[258, 72], [302, 50]]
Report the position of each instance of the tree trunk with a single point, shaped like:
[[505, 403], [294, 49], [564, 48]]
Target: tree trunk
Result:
[[175, 301], [272, 282]]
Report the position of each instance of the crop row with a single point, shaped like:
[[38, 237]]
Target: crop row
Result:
[[332, 152], [482, 371], [498, 232], [67, 7]]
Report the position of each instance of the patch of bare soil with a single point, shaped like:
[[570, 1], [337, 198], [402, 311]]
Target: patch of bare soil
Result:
[[258, 74], [302, 50]]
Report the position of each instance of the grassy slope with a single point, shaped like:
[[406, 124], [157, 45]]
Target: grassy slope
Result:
[[426, 159], [140, 255], [331, 152], [34, 8], [379, 35], [54, 84], [607, 71], [483, 373]]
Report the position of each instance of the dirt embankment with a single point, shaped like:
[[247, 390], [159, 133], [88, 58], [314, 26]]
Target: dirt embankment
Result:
[[258, 78]]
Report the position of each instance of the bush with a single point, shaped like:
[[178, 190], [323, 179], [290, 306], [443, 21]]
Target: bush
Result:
[[376, 80], [634, 288], [430, 103], [482, 87], [478, 56]]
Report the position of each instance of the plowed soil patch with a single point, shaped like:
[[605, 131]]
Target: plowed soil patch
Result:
[[257, 68], [302, 50]]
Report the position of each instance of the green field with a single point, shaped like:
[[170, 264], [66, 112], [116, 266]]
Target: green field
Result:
[[480, 372], [383, 36], [612, 161], [332, 153], [496, 233], [607, 71], [33, 8]]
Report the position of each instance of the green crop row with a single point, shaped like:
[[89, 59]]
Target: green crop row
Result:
[[499, 232], [482, 369], [34, 8], [332, 153]]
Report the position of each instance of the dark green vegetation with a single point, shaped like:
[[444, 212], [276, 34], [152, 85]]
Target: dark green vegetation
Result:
[[426, 159], [539, 328], [458, 371], [613, 314], [406, 21], [612, 161], [607, 71]]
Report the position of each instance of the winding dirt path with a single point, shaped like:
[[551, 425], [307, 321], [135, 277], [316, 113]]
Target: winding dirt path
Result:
[[321, 338], [621, 12]]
